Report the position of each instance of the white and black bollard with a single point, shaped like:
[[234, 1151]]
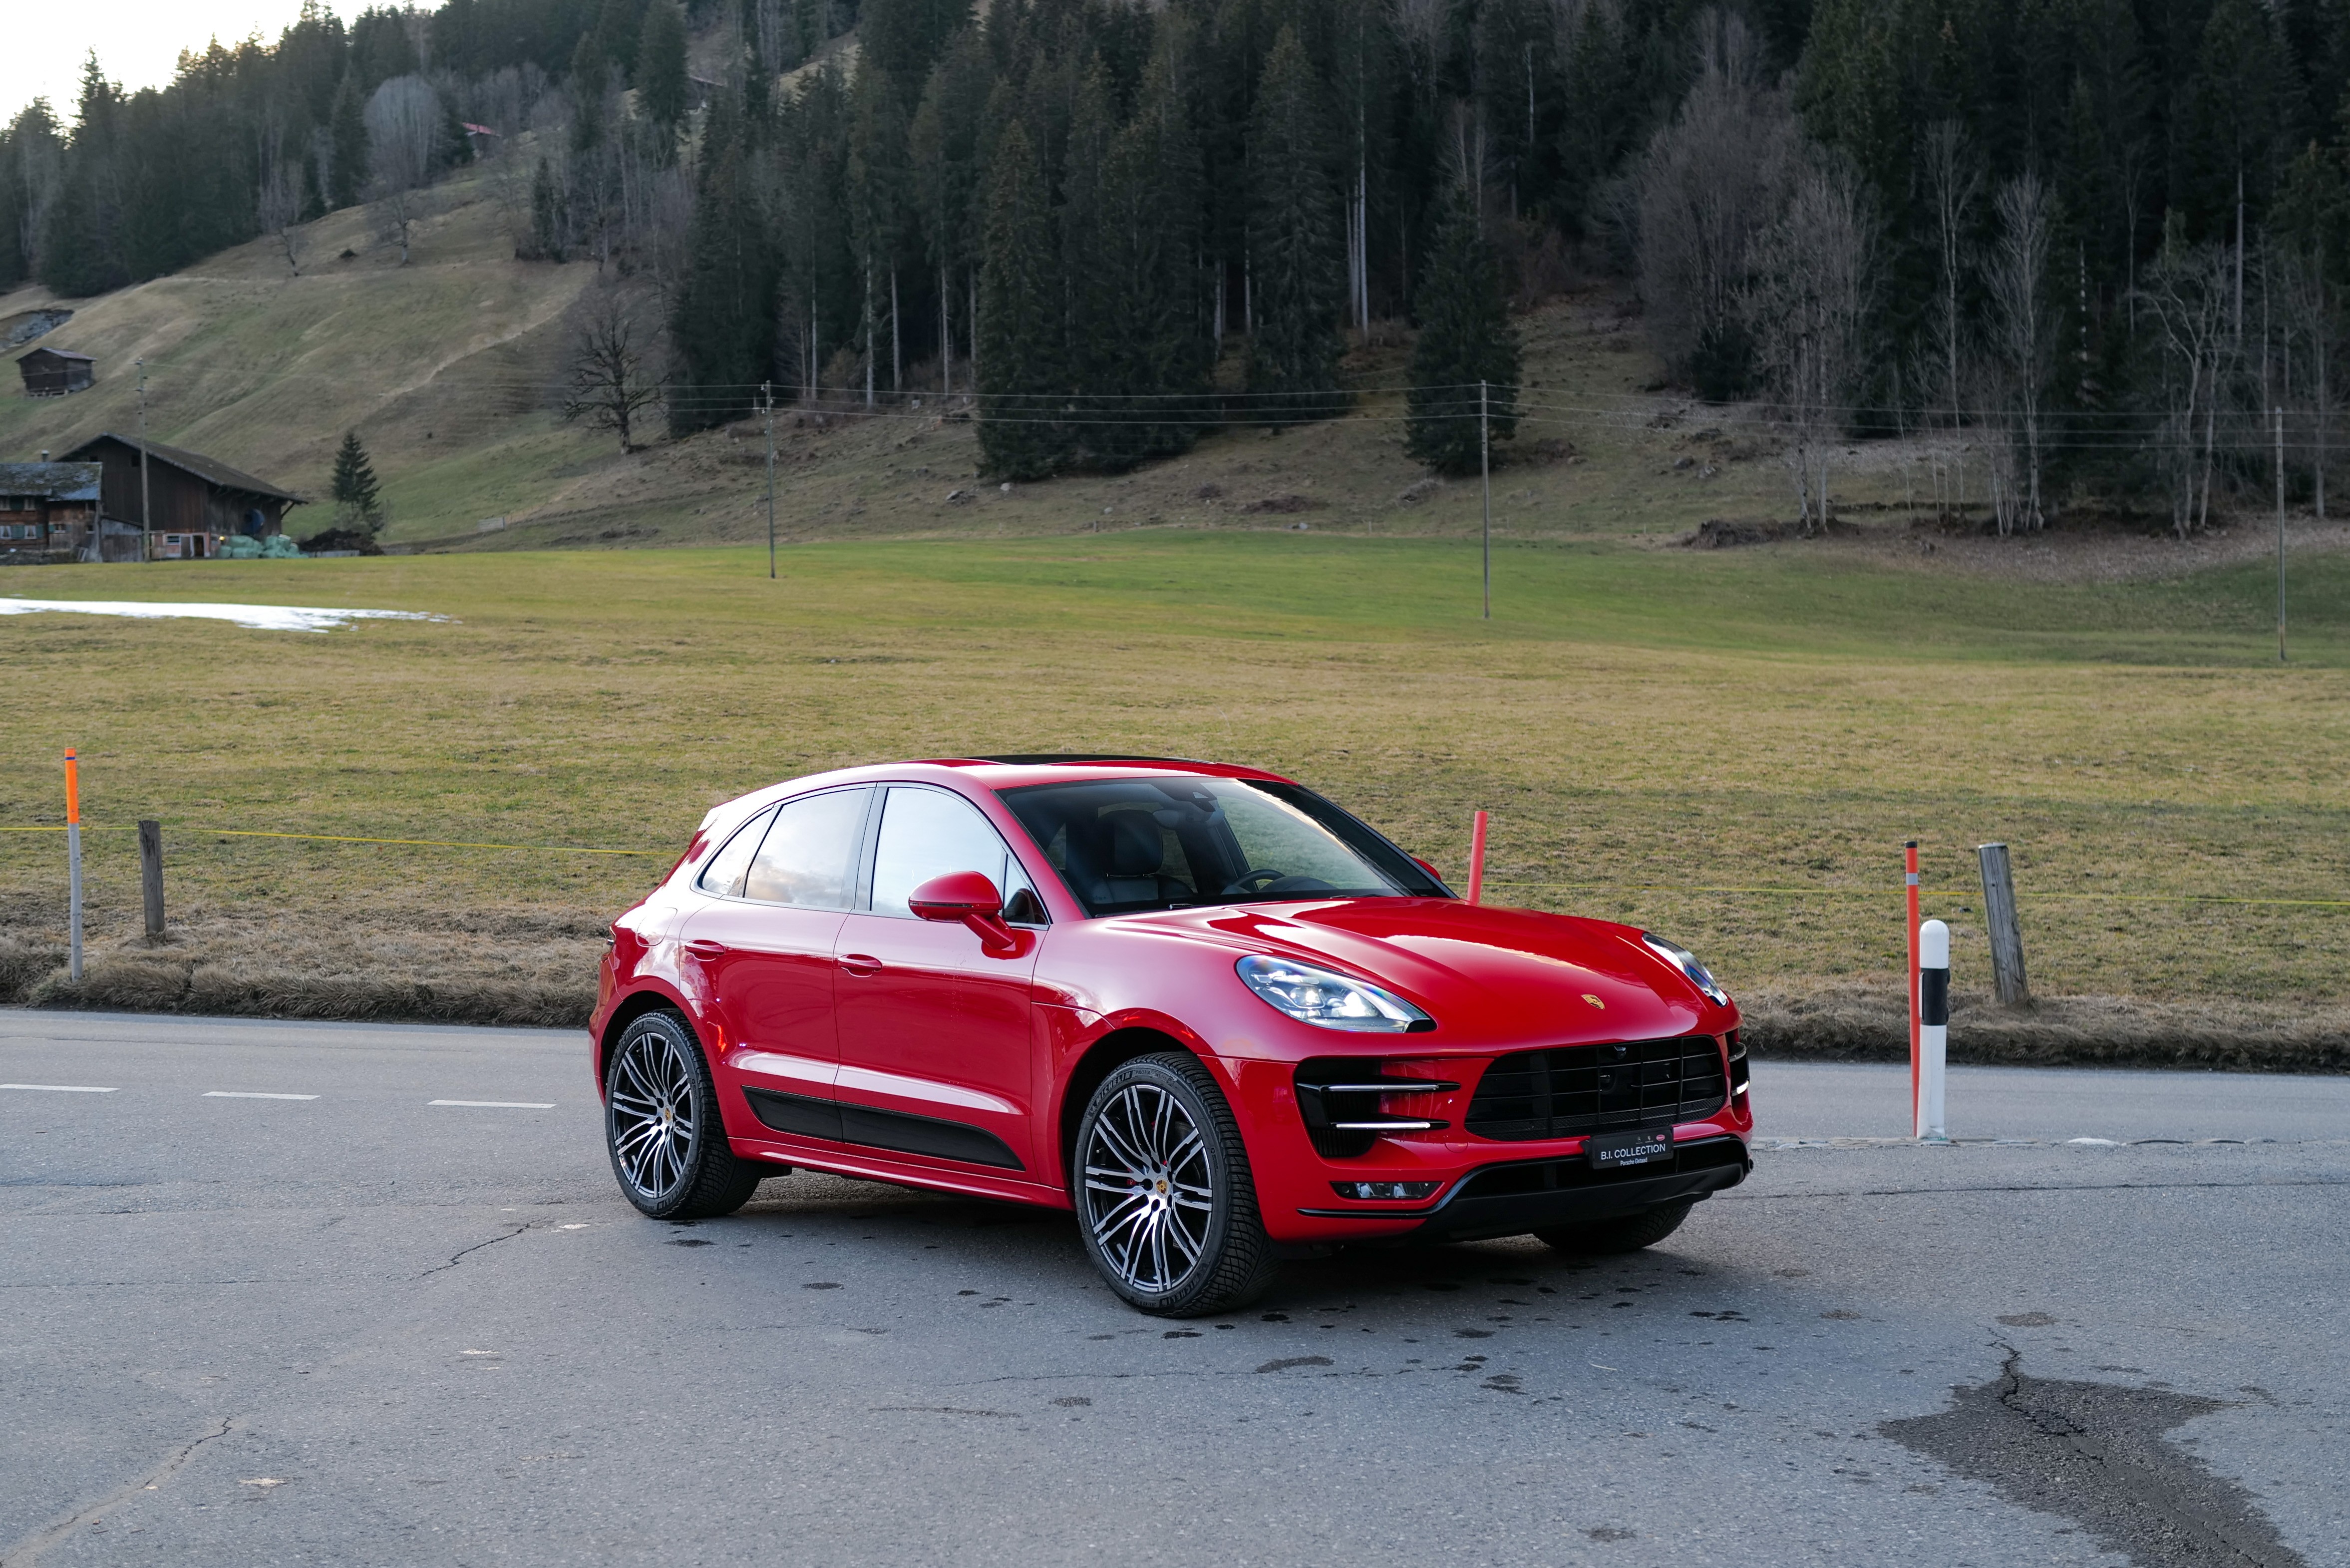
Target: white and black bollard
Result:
[[1933, 1027]]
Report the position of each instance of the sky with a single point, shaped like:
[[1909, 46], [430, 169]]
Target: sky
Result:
[[138, 41]]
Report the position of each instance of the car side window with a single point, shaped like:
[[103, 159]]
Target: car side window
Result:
[[927, 833], [724, 875], [808, 857]]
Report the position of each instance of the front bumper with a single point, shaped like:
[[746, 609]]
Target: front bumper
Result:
[[1519, 1195]]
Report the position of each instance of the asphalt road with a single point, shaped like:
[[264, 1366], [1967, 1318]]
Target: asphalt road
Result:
[[371, 1328]]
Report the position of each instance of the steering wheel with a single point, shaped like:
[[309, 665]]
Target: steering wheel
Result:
[[1241, 883]]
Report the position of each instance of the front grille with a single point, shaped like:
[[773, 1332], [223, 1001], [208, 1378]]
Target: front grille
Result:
[[1570, 1090]]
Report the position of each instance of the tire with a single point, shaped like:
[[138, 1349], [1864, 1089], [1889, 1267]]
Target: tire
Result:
[[662, 1127], [1165, 1200], [1627, 1233]]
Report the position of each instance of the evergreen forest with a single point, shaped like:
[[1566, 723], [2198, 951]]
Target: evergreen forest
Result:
[[2109, 239]]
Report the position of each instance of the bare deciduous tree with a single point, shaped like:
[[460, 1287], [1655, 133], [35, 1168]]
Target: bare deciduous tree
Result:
[[2023, 340], [279, 207], [1708, 183], [404, 127], [2311, 323], [1805, 307], [611, 379], [2188, 293]]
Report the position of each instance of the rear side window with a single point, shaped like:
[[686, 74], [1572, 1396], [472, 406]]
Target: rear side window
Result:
[[927, 833], [809, 856], [724, 875]]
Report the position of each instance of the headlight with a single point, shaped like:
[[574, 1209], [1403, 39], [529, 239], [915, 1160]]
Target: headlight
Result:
[[1328, 1000], [1681, 959]]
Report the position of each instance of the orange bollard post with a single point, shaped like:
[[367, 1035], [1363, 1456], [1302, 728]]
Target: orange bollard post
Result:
[[1477, 861], [73, 865]]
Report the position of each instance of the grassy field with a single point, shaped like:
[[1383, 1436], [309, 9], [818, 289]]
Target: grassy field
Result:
[[1660, 734]]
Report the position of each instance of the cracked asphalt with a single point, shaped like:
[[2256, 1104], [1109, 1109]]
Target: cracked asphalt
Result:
[[364, 1328]]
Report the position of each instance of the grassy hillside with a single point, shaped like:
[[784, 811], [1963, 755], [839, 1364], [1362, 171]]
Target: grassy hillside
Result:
[[449, 370], [440, 364], [1728, 745]]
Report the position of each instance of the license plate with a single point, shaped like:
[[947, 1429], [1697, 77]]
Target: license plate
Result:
[[1609, 1150]]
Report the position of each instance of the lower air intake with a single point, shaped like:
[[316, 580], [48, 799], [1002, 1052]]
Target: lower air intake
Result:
[[1570, 1090]]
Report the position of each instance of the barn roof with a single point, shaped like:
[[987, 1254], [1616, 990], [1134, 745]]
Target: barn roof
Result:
[[212, 471], [52, 481], [55, 354]]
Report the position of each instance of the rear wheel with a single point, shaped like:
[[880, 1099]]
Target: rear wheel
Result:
[[662, 1127], [1165, 1199], [1627, 1233]]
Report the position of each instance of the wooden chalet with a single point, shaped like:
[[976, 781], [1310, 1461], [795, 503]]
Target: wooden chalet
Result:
[[194, 504], [54, 372], [47, 510]]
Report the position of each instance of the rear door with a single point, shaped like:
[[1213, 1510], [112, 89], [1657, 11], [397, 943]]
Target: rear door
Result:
[[764, 948], [937, 1054]]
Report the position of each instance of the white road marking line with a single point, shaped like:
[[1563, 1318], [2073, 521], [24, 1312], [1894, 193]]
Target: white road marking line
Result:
[[499, 1104], [251, 1095], [61, 1088]]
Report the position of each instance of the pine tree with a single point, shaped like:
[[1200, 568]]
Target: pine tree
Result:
[[942, 152], [358, 500], [722, 322], [1465, 338], [880, 199], [1293, 254], [660, 68], [1021, 389], [347, 166]]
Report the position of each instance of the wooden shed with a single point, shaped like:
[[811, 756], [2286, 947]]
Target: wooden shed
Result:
[[54, 372], [47, 510], [193, 501]]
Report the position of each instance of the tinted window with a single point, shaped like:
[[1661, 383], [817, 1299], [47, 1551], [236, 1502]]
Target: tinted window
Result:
[[927, 833], [1124, 845], [725, 873], [809, 855]]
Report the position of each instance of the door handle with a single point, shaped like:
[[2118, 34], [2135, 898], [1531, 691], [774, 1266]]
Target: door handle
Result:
[[704, 948], [861, 963]]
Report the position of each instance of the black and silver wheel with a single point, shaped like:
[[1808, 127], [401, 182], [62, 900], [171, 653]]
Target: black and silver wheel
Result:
[[1165, 1200], [1625, 1234], [661, 1124]]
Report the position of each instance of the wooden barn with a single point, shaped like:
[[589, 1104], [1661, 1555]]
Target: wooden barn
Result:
[[54, 372], [47, 510], [193, 503]]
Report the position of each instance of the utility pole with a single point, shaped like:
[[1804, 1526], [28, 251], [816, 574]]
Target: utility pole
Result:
[[767, 392], [1485, 463], [2280, 489], [146, 519]]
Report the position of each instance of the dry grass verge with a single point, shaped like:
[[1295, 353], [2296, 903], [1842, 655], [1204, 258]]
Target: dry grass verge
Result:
[[519, 968], [513, 968], [1860, 1024]]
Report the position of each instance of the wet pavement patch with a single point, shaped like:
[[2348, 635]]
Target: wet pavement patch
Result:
[[2096, 1453]]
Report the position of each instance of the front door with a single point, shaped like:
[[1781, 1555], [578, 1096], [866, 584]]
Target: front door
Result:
[[936, 1055], [763, 950]]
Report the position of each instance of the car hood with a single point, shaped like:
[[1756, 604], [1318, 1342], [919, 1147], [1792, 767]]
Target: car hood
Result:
[[1489, 976]]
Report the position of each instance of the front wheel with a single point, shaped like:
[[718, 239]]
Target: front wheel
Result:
[[1165, 1199], [1627, 1233], [662, 1127]]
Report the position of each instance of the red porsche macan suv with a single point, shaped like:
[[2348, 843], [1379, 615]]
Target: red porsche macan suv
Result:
[[1219, 1017]]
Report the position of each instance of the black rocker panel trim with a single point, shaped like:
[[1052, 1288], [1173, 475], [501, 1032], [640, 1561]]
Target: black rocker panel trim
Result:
[[877, 1128], [801, 1113]]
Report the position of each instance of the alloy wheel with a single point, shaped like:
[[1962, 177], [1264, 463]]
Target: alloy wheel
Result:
[[1150, 1191], [652, 1121]]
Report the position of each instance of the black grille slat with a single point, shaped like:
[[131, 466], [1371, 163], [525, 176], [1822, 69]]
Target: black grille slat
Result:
[[1570, 1090]]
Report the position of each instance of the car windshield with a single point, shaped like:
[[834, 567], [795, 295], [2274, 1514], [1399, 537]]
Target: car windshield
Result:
[[1128, 845]]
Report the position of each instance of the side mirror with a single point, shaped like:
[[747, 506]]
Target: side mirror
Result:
[[1427, 868], [968, 896], [956, 896]]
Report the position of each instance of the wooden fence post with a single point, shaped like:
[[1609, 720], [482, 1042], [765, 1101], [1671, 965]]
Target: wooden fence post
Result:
[[2006, 930], [150, 874]]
